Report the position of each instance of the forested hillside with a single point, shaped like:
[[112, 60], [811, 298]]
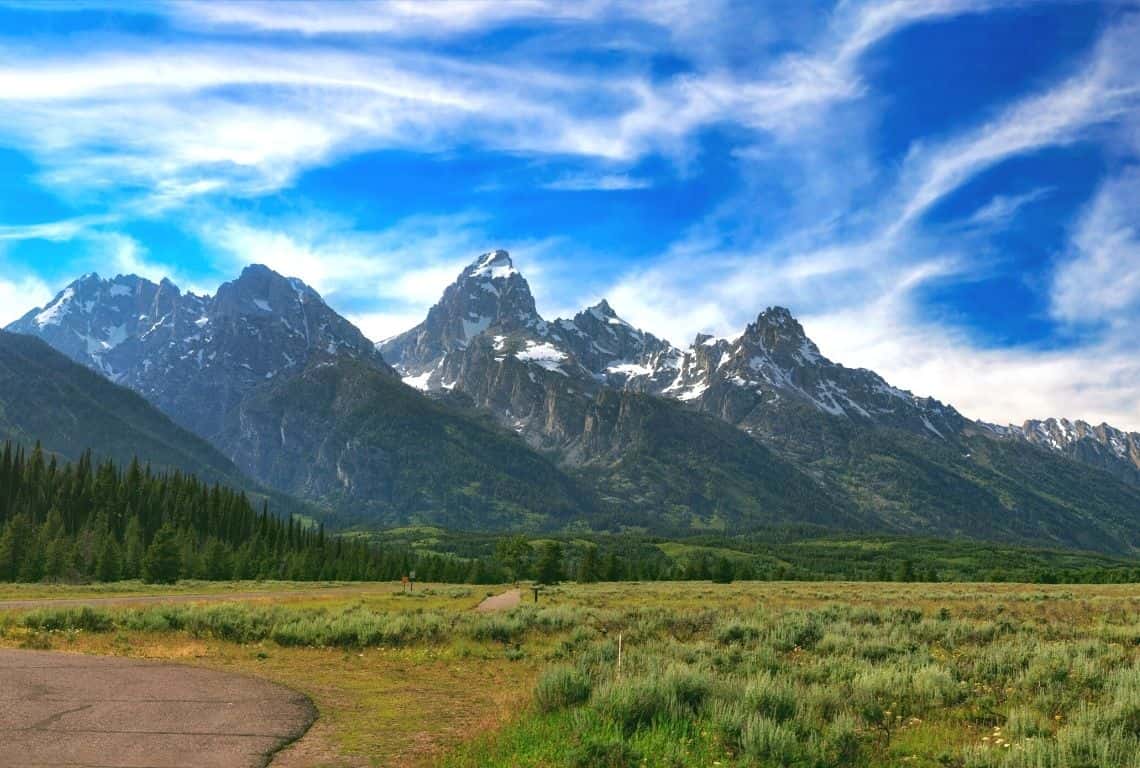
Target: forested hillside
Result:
[[88, 521], [47, 398]]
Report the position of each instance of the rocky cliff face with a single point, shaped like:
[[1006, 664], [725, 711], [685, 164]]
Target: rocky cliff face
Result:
[[196, 357]]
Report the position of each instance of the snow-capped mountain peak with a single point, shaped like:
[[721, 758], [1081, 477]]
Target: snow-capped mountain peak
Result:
[[496, 265], [195, 355], [489, 295]]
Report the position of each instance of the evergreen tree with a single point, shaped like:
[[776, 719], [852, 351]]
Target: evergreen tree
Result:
[[588, 566], [162, 562], [134, 549], [905, 571], [217, 561], [514, 553], [550, 563], [108, 568], [723, 572]]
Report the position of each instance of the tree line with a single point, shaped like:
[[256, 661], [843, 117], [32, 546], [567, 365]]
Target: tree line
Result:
[[88, 521]]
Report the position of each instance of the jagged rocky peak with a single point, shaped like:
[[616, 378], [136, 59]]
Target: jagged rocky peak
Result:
[[599, 318], [602, 311], [260, 289], [490, 293], [196, 356], [750, 378], [778, 332], [1080, 437], [1114, 450], [91, 316], [612, 350], [496, 265]]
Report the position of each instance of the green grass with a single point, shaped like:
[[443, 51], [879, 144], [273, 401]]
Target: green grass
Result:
[[993, 682]]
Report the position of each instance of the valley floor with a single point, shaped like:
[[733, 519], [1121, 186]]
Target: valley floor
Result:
[[749, 673]]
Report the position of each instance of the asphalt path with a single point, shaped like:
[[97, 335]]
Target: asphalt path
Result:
[[73, 711]]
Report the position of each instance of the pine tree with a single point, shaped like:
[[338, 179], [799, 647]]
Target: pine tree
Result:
[[134, 549], [550, 563], [723, 572], [108, 568], [588, 567], [162, 562], [514, 554], [217, 561]]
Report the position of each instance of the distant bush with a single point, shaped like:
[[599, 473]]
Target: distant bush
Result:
[[504, 629], [85, 619]]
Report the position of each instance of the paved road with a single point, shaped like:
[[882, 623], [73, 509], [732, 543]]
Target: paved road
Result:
[[71, 711]]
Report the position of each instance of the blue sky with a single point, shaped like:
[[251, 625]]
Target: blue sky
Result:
[[946, 191]]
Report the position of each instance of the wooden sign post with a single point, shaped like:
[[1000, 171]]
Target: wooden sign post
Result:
[[536, 589]]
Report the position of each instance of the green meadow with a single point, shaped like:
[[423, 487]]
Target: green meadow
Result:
[[665, 674]]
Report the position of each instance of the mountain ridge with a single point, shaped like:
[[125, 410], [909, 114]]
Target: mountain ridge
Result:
[[729, 433]]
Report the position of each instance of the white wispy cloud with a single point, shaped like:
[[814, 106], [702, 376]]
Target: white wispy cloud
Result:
[[607, 182], [1095, 381], [383, 279], [1103, 92], [1100, 281], [19, 293], [397, 18], [857, 276], [190, 119], [54, 231], [1002, 208]]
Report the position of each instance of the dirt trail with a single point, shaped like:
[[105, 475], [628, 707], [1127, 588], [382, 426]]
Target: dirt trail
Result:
[[69, 710], [501, 602]]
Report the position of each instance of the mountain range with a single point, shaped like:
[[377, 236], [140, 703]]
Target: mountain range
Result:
[[487, 416]]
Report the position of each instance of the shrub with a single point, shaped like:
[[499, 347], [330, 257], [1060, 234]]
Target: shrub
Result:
[[736, 632], [86, 619], [795, 630], [688, 688], [771, 697], [605, 754], [504, 629], [770, 742], [633, 704], [561, 687], [1025, 723]]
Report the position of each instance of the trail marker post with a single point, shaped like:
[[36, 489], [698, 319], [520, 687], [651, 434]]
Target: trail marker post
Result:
[[619, 657], [536, 589]]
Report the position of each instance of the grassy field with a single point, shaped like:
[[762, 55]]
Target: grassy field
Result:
[[767, 674]]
